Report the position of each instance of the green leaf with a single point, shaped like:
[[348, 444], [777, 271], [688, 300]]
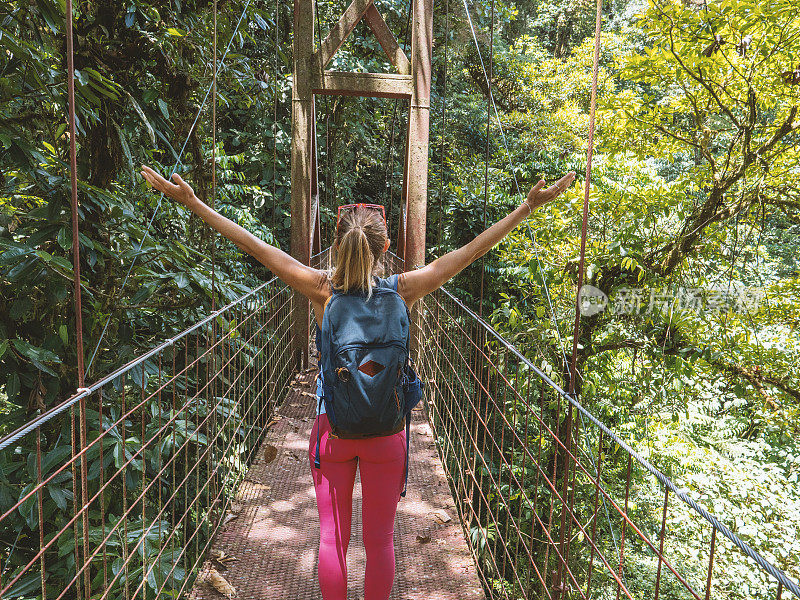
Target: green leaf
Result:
[[20, 308], [127, 151], [62, 333], [51, 17], [151, 132], [62, 262], [34, 352], [26, 586], [59, 496], [144, 292], [55, 457], [45, 256], [181, 280], [64, 238], [12, 386], [164, 108], [43, 367]]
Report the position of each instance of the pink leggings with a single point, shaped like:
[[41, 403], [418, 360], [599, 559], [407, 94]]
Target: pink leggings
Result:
[[382, 469]]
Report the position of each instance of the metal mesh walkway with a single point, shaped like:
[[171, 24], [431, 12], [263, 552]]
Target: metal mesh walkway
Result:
[[275, 535]]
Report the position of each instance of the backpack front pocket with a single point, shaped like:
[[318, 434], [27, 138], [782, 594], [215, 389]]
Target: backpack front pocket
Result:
[[365, 388]]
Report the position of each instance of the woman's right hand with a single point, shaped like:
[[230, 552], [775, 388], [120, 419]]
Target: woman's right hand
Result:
[[539, 195], [310, 282], [180, 191]]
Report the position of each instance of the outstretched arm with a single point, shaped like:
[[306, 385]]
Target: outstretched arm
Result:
[[413, 285], [309, 282]]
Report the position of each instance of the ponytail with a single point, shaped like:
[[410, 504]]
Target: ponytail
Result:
[[360, 240]]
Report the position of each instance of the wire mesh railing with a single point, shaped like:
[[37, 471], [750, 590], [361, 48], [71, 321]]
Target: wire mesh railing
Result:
[[556, 505], [117, 491]]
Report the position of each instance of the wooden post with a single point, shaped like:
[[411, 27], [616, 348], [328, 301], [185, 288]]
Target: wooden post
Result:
[[416, 176], [302, 165], [412, 81], [418, 122]]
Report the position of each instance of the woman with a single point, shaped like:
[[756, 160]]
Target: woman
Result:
[[361, 241]]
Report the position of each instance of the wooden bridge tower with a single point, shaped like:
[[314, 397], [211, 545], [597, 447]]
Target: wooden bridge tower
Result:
[[310, 77]]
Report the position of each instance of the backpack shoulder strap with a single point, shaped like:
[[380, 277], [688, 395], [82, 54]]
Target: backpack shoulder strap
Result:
[[324, 306], [387, 282], [334, 293]]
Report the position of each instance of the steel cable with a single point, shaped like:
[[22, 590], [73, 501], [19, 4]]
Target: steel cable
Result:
[[174, 169], [516, 185], [779, 575]]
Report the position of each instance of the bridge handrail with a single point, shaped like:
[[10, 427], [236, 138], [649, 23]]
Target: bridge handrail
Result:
[[87, 391], [776, 573], [779, 575]]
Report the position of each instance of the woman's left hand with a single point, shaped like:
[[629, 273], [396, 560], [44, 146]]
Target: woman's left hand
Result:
[[180, 191], [539, 196]]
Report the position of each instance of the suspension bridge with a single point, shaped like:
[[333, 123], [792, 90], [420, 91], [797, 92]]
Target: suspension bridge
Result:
[[187, 475]]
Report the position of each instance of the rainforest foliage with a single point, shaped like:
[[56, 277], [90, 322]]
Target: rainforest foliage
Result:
[[694, 210]]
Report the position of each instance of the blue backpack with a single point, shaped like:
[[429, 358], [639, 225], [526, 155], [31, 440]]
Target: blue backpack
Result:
[[368, 385]]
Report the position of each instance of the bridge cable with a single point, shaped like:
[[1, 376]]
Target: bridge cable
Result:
[[443, 147], [213, 196], [586, 184], [214, 156], [489, 78], [275, 122], [178, 163], [317, 208], [581, 266], [76, 262], [516, 185], [73, 177], [327, 128], [492, 104]]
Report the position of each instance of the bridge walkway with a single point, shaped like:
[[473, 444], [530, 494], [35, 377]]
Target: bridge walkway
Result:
[[272, 530]]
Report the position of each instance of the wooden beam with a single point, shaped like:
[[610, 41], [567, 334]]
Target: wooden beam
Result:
[[387, 41], [302, 166], [338, 34], [416, 170], [381, 85], [416, 191]]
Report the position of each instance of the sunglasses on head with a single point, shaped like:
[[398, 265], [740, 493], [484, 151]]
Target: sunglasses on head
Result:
[[354, 206]]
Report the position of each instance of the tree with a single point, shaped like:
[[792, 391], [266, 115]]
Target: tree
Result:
[[718, 87], [142, 70]]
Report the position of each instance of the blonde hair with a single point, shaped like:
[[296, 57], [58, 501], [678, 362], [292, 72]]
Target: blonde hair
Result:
[[360, 240]]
